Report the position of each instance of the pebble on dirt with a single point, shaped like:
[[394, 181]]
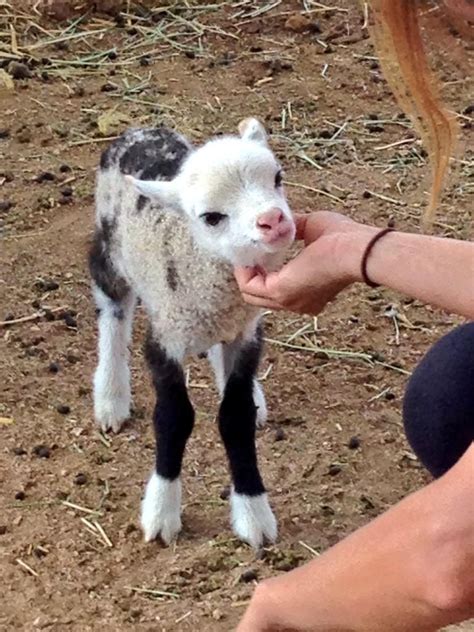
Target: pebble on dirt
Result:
[[63, 409], [353, 443], [334, 469], [70, 320], [225, 493], [5, 206], [24, 136], [42, 451], [19, 71], [300, 24], [45, 176], [280, 435], [46, 285], [80, 479], [67, 191], [20, 496], [249, 576], [19, 451], [53, 367]]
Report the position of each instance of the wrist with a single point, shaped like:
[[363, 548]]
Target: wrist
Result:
[[351, 248]]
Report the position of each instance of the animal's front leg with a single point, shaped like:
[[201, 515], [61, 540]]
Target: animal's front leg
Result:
[[173, 423], [251, 515]]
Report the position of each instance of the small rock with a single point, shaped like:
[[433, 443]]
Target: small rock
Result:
[[45, 176], [7, 175], [3, 529], [46, 285], [78, 91], [72, 358], [24, 136], [64, 168], [67, 191], [389, 396], [249, 576], [70, 320], [334, 469], [20, 496], [19, 71], [225, 493], [353, 443], [42, 451], [468, 110], [19, 451], [4, 133], [108, 87], [298, 23], [80, 479], [53, 367], [6, 205], [280, 435], [130, 528], [40, 552], [366, 194], [63, 409]]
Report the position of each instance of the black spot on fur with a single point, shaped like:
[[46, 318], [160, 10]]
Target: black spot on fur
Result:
[[141, 202], [100, 263], [173, 418], [172, 276], [158, 153]]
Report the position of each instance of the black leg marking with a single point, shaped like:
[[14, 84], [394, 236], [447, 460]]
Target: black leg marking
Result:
[[174, 415], [237, 416], [101, 266]]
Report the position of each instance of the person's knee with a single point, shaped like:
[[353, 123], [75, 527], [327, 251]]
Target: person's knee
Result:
[[438, 407]]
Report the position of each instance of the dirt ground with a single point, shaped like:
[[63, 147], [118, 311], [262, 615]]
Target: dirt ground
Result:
[[333, 454]]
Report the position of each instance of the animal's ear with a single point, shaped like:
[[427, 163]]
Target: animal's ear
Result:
[[166, 193], [252, 129]]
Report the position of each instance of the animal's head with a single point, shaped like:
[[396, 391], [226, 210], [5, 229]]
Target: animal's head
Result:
[[230, 190]]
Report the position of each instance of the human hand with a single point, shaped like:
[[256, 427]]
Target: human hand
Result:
[[329, 262]]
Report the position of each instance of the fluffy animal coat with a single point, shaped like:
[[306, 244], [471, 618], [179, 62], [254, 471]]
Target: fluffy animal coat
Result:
[[171, 222]]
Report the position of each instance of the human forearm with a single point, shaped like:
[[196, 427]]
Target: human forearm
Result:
[[407, 570], [433, 270]]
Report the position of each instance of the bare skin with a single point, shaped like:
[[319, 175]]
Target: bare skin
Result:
[[411, 568], [330, 261]]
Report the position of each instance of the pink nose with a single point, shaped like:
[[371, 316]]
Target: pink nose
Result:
[[270, 220]]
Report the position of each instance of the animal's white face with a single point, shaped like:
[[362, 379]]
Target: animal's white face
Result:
[[231, 192]]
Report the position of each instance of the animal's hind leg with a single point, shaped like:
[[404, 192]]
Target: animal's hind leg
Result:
[[222, 358], [112, 393]]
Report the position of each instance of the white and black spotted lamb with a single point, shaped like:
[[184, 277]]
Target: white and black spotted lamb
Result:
[[172, 221]]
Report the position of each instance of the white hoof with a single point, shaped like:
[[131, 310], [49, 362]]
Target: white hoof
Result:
[[260, 403], [252, 519], [161, 509], [110, 415]]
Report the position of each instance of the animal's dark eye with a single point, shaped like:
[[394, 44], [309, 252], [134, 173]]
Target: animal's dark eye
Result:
[[278, 179], [212, 219]]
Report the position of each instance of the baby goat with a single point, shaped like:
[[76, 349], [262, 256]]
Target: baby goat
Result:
[[171, 223]]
